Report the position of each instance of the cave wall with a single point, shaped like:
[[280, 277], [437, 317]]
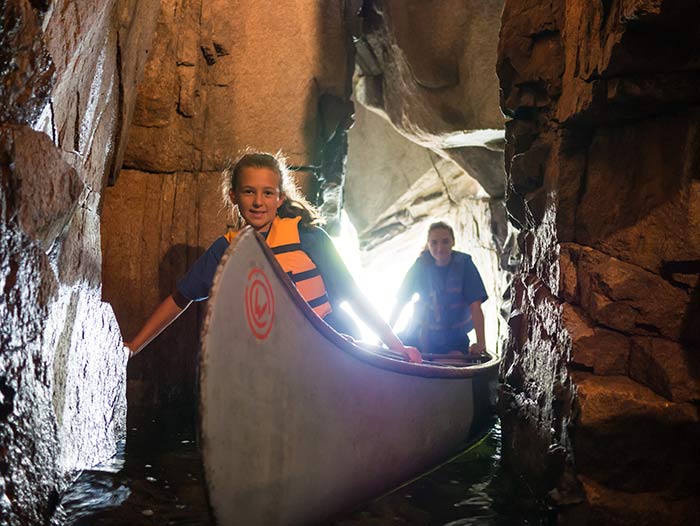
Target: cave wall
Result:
[[380, 158], [428, 67], [67, 76], [223, 75], [602, 372]]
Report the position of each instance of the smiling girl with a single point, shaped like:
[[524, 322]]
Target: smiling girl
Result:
[[450, 293], [261, 194]]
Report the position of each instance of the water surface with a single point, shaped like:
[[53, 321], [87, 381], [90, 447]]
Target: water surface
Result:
[[157, 480]]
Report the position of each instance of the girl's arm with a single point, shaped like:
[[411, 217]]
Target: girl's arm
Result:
[[340, 284], [195, 284], [164, 315], [371, 317], [478, 320], [403, 296]]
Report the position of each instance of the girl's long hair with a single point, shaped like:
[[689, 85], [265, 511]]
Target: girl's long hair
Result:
[[294, 205]]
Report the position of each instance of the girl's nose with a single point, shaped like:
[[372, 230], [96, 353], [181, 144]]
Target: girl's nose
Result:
[[257, 199]]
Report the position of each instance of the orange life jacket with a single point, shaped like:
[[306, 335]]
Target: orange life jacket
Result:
[[283, 239]]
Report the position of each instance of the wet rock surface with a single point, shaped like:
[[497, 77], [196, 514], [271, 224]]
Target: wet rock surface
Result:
[[602, 165], [66, 84]]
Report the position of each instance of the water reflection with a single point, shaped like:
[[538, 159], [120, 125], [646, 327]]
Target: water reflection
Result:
[[157, 480], [471, 490]]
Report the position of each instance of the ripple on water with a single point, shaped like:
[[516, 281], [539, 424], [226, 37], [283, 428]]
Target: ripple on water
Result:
[[159, 482]]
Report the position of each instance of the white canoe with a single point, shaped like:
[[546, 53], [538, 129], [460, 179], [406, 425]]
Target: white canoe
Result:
[[296, 423]]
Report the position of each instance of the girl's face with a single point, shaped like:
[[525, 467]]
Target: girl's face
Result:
[[258, 196], [440, 245]]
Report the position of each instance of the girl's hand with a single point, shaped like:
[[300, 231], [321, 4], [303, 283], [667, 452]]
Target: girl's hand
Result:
[[476, 349], [348, 338], [412, 354], [129, 348]]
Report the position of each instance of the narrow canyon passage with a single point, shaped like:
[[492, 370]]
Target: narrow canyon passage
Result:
[[560, 139]]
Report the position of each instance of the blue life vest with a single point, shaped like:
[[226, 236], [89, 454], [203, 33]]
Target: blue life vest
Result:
[[442, 315]]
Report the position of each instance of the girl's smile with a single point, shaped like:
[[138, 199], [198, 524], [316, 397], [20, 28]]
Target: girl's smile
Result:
[[258, 196], [440, 245]]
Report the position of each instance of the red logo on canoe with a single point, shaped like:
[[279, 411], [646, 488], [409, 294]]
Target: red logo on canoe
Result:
[[259, 304]]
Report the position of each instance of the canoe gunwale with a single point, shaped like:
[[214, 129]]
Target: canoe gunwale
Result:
[[429, 370]]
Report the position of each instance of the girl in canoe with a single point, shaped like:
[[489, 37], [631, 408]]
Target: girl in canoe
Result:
[[450, 293], [261, 194]]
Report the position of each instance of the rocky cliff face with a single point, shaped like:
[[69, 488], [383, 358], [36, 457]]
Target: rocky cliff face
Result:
[[67, 77], [224, 75], [602, 372], [428, 67]]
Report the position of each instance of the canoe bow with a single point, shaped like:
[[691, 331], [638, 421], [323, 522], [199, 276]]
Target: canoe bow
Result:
[[298, 423]]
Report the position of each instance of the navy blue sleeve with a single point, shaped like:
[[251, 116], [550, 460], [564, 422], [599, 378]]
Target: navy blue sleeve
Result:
[[474, 289], [340, 284], [196, 284]]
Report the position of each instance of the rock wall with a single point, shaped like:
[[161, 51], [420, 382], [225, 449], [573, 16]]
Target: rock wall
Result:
[[223, 75], [382, 166], [602, 368], [429, 68], [67, 77]]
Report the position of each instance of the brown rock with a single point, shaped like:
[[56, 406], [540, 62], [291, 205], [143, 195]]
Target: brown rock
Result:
[[378, 155], [527, 168], [628, 298], [629, 439], [27, 73], [99, 49], [431, 75], [204, 100], [629, 216], [71, 72], [621, 508], [150, 261], [667, 368], [154, 107], [441, 78], [616, 106], [85, 336], [163, 136], [44, 187], [568, 284], [530, 55], [604, 352]]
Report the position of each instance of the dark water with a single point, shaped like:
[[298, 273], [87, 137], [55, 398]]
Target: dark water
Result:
[[158, 481]]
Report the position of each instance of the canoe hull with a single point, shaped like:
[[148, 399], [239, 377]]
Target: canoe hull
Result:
[[296, 424]]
